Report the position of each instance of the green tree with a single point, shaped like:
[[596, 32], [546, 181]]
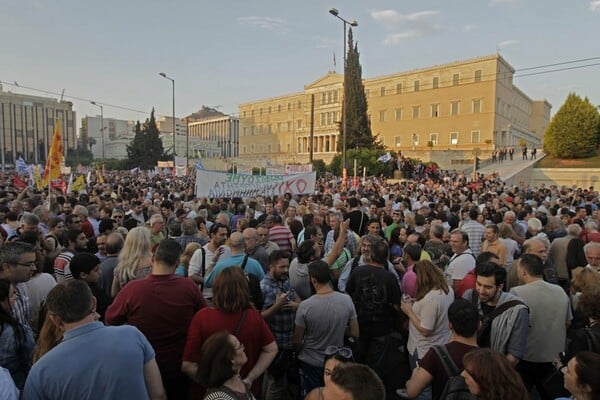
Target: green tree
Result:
[[358, 126], [364, 158], [146, 147], [574, 130]]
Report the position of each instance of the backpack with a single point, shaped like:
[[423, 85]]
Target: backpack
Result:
[[256, 294], [485, 329], [455, 388], [592, 339]]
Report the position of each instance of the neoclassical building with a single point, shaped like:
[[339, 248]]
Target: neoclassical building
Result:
[[441, 113]]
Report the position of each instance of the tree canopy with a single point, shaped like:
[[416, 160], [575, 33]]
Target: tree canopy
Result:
[[574, 131], [146, 148]]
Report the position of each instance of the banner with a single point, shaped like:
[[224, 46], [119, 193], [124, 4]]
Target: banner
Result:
[[291, 169], [216, 184], [55, 157]]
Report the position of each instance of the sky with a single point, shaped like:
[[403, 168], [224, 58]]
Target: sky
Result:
[[224, 53]]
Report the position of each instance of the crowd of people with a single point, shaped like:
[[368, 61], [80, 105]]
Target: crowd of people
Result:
[[422, 288]]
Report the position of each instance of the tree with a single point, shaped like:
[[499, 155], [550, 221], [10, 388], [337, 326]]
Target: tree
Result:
[[365, 158], [358, 126], [146, 147], [574, 130]]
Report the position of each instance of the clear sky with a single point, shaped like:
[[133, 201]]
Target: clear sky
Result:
[[223, 53]]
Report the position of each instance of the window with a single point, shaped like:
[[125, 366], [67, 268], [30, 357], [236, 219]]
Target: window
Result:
[[329, 97], [478, 75], [477, 106], [415, 139], [417, 85], [382, 91], [279, 127], [367, 93], [416, 111], [252, 130], [299, 105], [244, 132], [398, 114], [278, 107], [269, 109], [455, 79], [335, 96], [433, 138], [397, 141], [382, 116], [252, 113], [474, 136], [322, 119], [288, 147], [260, 112], [398, 88], [289, 126], [436, 82], [269, 148], [435, 110], [328, 118], [454, 107], [299, 124], [453, 137], [289, 106]]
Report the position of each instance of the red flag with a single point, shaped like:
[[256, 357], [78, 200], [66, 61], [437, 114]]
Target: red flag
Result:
[[18, 183]]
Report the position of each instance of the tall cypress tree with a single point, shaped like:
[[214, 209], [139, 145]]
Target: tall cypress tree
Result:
[[358, 126], [146, 147]]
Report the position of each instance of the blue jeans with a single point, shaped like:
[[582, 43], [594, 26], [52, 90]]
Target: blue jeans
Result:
[[413, 359], [311, 377]]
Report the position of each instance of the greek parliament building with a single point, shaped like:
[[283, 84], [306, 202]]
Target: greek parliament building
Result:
[[27, 125], [440, 113]]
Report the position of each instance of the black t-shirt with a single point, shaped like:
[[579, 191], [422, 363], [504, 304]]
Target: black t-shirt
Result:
[[374, 292], [486, 309]]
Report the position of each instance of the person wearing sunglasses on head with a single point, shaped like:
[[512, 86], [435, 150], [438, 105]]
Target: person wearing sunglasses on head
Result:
[[334, 357]]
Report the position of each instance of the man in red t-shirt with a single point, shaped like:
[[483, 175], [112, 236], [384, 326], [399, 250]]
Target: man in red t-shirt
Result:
[[464, 321]]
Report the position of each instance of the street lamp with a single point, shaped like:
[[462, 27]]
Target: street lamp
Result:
[[173, 82], [335, 13], [101, 126]]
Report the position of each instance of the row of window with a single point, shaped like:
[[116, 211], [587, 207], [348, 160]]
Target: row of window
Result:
[[269, 129], [270, 109], [329, 97], [435, 84], [415, 139], [329, 118], [260, 148], [434, 110]]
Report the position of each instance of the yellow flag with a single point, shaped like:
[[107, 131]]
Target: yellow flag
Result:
[[55, 157], [37, 178], [100, 177], [79, 184]]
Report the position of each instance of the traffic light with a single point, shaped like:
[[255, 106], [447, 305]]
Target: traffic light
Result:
[[477, 163]]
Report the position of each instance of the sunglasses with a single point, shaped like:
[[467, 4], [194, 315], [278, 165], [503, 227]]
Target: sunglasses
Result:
[[343, 352]]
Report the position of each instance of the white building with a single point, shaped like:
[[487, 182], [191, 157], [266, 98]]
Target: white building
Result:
[[117, 135]]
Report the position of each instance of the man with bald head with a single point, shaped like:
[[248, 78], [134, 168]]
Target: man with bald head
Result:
[[254, 249], [238, 258]]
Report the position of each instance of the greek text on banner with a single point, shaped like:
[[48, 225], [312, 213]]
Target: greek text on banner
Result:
[[214, 184]]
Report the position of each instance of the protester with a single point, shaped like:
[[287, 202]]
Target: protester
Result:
[[135, 259]]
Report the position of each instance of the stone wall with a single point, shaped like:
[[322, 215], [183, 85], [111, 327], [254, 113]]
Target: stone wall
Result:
[[580, 177]]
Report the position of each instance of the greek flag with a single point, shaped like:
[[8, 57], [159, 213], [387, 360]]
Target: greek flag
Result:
[[269, 163], [385, 158], [21, 165], [199, 165]]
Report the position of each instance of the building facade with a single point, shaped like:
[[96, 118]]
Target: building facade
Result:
[[27, 125], [441, 113], [217, 132], [117, 135]]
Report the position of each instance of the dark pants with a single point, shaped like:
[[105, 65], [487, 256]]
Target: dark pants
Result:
[[176, 385], [311, 377], [535, 374], [388, 357]]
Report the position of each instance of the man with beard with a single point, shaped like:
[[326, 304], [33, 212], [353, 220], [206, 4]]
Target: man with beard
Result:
[[204, 259], [504, 316], [76, 242], [279, 311]]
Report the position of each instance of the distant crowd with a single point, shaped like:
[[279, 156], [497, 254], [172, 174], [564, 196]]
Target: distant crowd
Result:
[[433, 287]]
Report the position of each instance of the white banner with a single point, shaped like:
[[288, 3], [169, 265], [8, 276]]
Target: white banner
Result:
[[275, 171], [291, 169], [216, 184]]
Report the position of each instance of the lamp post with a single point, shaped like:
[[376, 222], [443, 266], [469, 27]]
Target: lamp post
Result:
[[335, 13], [101, 126], [173, 82]]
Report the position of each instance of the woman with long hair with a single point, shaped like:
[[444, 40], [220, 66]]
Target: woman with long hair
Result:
[[428, 316], [186, 256], [222, 357], [135, 260], [582, 376], [48, 338], [56, 227], [490, 376], [16, 339], [232, 311]]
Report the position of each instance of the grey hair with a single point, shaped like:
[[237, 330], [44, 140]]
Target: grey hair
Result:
[[11, 251]]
